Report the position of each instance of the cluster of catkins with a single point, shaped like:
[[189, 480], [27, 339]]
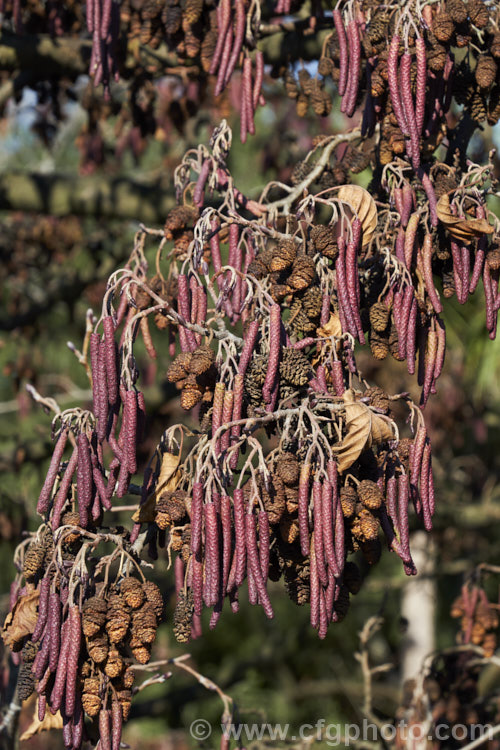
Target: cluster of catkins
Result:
[[449, 693], [405, 67], [479, 618], [76, 654]]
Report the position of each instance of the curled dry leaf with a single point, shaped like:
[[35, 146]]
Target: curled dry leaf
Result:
[[461, 229], [168, 481], [364, 428], [332, 328], [363, 206], [22, 620], [50, 721]]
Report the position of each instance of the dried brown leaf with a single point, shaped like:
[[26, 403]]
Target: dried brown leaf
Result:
[[363, 206], [168, 481], [459, 228], [364, 427], [332, 328], [50, 721], [22, 620]]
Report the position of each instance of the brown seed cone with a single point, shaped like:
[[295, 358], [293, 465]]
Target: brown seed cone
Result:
[[292, 499], [486, 616], [312, 301], [127, 678], [125, 700], [98, 647], [495, 44], [191, 393], [33, 560], [442, 26], [294, 367], [325, 66], [324, 240], [379, 345], [161, 322], [365, 526], [183, 615], [489, 645], [404, 446], [378, 398], [379, 317], [478, 13], [141, 654], [303, 272], [179, 218], [457, 10], [306, 81], [494, 258], [372, 551], [478, 633], [394, 343], [132, 592], [457, 608], [486, 71], [91, 701], [352, 577], [289, 529], [93, 615], [370, 494], [274, 501], [25, 681], [117, 618], [70, 518], [154, 598], [436, 57], [283, 255], [288, 469], [201, 360], [144, 624], [348, 500], [291, 87], [302, 105], [30, 650], [179, 369], [207, 49], [176, 539], [192, 11], [114, 663], [172, 505]]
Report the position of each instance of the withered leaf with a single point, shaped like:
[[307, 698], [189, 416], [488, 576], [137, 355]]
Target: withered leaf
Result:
[[168, 480], [332, 328], [50, 721], [364, 427], [22, 620], [461, 229], [363, 206]]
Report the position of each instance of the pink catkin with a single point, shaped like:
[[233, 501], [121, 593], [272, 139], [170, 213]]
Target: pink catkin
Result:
[[274, 352], [183, 301], [55, 462], [227, 541], [223, 21], [55, 629], [196, 517], [353, 293], [239, 533], [197, 568], [351, 93], [212, 561], [421, 84], [84, 479], [110, 359], [480, 253], [407, 101], [102, 385], [410, 236], [431, 195], [327, 527], [428, 280], [264, 538], [303, 508], [57, 693], [62, 493], [43, 608], [411, 337], [318, 532], [337, 375], [227, 414], [392, 79], [226, 53], [218, 405], [314, 584], [254, 564], [247, 94], [249, 346], [404, 532], [343, 52], [259, 77], [74, 635], [342, 290], [424, 486], [238, 40], [238, 388]]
